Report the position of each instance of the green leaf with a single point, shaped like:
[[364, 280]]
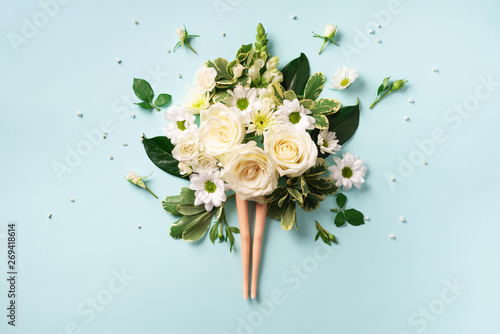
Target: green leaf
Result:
[[143, 90], [230, 236], [278, 92], [288, 218], [295, 194], [198, 226], [159, 150], [170, 203], [341, 200], [282, 200], [275, 211], [314, 86], [308, 104], [303, 186], [144, 105], [234, 229], [219, 97], [321, 122], [220, 65], [354, 217], [296, 74], [162, 99], [326, 106], [244, 49], [339, 219], [214, 232], [276, 194], [383, 86], [345, 122], [322, 186], [244, 81], [187, 195], [190, 209], [289, 95], [311, 202], [319, 168]]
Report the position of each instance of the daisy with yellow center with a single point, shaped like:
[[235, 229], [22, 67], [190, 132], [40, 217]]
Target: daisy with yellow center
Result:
[[261, 121], [344, 78]]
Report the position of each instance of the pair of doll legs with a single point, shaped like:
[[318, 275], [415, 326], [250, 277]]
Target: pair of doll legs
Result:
[[260, 221]]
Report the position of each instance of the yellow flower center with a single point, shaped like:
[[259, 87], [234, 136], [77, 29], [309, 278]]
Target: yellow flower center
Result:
[[344, 82], [294, 117], [210, 187], [242, 104], [181, 125]]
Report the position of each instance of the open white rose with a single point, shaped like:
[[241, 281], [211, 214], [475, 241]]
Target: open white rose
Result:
[[250, 172], [204, 79], [221, 131], [293, 151], [204, 164], [188, 148]]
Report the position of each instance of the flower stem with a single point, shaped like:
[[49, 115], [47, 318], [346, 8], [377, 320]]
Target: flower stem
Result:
[[189, 46], [152, 193], [324, 43], [377, 100]]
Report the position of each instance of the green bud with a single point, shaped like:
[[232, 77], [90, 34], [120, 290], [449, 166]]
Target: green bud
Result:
[[397, 85], [331, 237], [260, 30], [220, 235]]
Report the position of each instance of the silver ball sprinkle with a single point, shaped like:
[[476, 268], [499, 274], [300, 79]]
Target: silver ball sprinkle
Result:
[[179, 75], [49, 215], [392, 178], [378, 40], [72, 199], [402, 219], [434, 69], [110, 157], [136, 22], [293, 17], [392, 236], [79, 114], [132, 115], [410, 100], [370, 31], [118, 60], [406, 118]]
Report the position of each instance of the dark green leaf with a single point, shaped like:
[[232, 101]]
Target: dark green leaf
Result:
[[231, 238], [214, 232], [276, 194], [354, 217], [318, 169], [341, 200], [234, 229], [303, 186], [314, 86], [145, 105], [311, 202], [295, 194], [296, 74], [322, 186], [162, 99], [339, 219], [345, 122], [274, 211], [159, 150], [143, 90]]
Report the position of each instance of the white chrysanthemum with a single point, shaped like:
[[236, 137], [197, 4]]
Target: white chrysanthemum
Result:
[[181, 122], [344, 77], [209, 189], [348, 171], [243, 100], [196, 100], [328, 142], [262, 120], [294, 114]]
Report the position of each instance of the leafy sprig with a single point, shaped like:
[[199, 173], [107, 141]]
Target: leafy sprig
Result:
[[387, 88], [144, 92], [352, 216], [326, 236]]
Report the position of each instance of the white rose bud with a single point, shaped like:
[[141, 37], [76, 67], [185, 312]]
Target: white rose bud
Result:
[[238, 70], [250, 172], [134, 178], [204, 79], [293, 151], [181, 33], [187, 148], [329, 31]]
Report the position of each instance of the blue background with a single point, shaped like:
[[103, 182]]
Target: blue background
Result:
[[368, 284]]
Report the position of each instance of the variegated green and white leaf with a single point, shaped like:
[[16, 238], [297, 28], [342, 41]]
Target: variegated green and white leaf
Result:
[[314, 86]]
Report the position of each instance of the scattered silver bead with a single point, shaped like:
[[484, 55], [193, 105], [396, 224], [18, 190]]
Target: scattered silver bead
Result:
[[393, 178], [392, 236], [223, 34], [79, 114], [402, 219], [49, 215], [424, 162], [139, 227], [179, 75], [378, 40], [110, 157], [105, 132], [168, 51], [142, 135], [379, 26], [72, 199], [293, 17], [410, 100], [118, 60], [132, 115], [367, 218], [406, 118], [104, 136], [434, 69], [136, 22], [370, 31], [125, 144]]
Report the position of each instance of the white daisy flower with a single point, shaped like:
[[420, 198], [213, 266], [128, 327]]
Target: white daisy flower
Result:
[[196, 100], [294, 114], [243, 100], [209, 189], [349, 171], [344, 77], [181, 122], [262, 120], [328, 142]]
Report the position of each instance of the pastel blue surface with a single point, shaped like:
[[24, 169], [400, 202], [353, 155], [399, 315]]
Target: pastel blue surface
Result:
[[89, 269]]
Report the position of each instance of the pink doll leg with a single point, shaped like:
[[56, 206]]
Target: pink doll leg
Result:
[[260, 222], [242, 208]]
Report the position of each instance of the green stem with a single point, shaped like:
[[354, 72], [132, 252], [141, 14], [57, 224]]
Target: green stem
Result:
[[377, 100], [152, 193], [324, 43], [157, 109], [189, 46]]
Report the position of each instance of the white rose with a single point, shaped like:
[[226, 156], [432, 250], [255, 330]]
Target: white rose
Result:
[[133, 177], [329, 30], [204, 79], [223, 130], [204, 164], [213, 111], [185, 168], [250, 172], [293, 151], [238, 70], [187, 148], [180, 32]]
